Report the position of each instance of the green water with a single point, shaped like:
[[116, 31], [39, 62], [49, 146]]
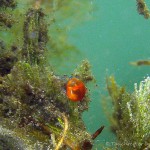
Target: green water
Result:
[[115, 36]]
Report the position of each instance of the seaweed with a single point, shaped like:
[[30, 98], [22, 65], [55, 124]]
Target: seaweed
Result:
[[130, 120], [143, 9], [35, 112], [141, 63], [8, 3]]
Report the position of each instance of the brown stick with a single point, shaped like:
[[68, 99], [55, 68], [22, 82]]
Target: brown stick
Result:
[[97, 132]]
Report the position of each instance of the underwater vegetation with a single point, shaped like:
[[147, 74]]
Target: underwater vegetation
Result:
[[130, 119], [141, 62], [131, 116], [143, 9], [31, 108], [36, 112], [40, 110]]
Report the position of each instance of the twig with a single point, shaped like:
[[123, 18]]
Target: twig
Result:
[[97, 132], [64, 132]]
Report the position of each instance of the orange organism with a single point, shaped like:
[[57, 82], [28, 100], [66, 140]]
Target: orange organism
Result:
[[75, 89]]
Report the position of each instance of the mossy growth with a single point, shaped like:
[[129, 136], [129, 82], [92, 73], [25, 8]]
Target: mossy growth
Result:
[[35, 112], [7, 59], [131, 117], [8, 55], [8, 3], [33, 98], [5, 18], [143, 9]]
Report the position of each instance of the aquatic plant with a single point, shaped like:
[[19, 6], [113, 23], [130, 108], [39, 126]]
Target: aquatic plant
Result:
[[141, 62], [35, 112], [131, 116], [33, 99], [143, 9]]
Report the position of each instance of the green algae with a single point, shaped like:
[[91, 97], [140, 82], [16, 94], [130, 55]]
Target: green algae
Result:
[[34, 108], [32, 97], [143, 9], [130, 120]]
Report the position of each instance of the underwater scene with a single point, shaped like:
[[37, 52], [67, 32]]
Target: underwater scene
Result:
[[74, 75]]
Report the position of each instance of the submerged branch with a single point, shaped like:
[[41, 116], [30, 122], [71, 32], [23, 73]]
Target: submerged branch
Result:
[[64, 132]]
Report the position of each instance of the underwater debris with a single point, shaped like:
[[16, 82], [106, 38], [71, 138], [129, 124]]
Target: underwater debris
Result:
[[143, 9], [141, 63], [97, 132], [131, 117]]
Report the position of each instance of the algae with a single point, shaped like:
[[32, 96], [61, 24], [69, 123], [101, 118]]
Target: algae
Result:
[[35, 112], [143, 9], [130, 120]]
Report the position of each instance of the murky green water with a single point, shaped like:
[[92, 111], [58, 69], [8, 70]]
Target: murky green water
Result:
[[114, 36]]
